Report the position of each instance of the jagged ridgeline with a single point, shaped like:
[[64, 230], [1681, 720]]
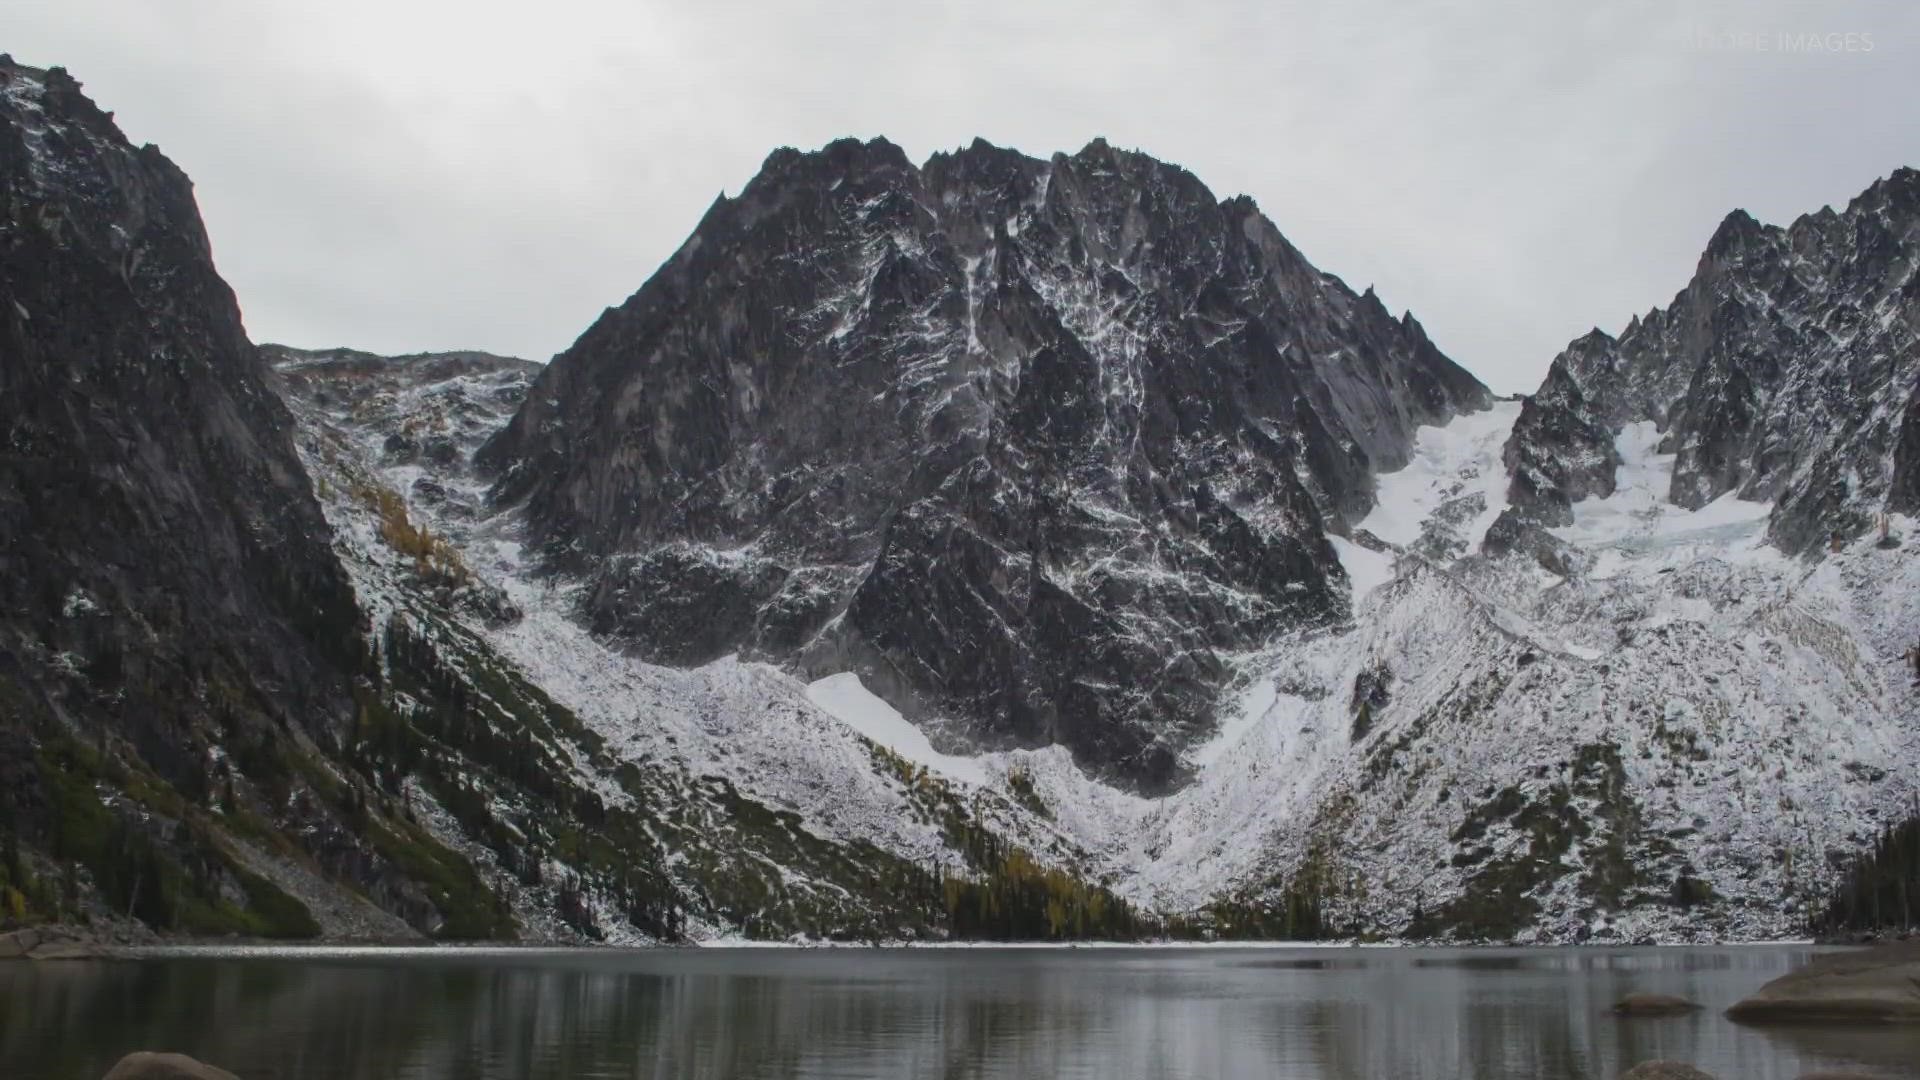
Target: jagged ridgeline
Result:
[[209, 725], [1025, 443], [1787, 371]]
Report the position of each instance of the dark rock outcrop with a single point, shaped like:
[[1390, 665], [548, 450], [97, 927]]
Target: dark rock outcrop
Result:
[[1787, 370], [1644, 1004], [1664, 1070], [166, 577], [157, 533], [1024, 442]]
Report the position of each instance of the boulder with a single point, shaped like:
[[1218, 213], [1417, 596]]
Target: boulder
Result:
[[15, 944], [66, 949], [1873, 986], [1653, 1005], [1664, 1070], [147, 1065]]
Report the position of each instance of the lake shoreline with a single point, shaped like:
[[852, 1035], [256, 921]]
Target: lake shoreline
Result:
[[504, 1012], [249, 947], [77, 942]]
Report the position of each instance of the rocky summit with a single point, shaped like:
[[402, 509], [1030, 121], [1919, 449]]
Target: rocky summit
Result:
[[1785, 372], [166, 578], [1027, 444]]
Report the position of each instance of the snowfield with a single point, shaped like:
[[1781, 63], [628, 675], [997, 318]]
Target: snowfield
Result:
[[1637, 522], [844, 698]]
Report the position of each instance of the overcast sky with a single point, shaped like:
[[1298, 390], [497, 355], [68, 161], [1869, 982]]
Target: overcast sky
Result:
[[400, 175]]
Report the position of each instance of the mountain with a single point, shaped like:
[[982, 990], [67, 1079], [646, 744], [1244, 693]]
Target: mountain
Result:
[[1785, 372], [1027, 444], [165, 575], [993, 548], [1639, 666], [1657, 720], [245, 689], [603, 798]]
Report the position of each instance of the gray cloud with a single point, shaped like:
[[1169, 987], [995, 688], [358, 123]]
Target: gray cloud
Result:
[[409, 175]]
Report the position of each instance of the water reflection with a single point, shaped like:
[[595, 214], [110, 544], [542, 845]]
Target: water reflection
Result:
[[1324, 1015]]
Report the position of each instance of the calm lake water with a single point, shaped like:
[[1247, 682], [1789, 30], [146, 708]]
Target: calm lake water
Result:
[[1403, 1014]]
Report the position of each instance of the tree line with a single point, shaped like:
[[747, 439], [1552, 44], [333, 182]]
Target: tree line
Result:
[[1881, 890]]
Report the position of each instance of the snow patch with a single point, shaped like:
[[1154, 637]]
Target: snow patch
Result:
[[1250, 707], [1451, 462], [1366, 569], [845, 698], [1637, 521]]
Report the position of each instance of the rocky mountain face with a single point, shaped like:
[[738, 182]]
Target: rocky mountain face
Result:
[[165, 572], [1027, 444], [1785, 372], [598, 797], [151, 493], [250, 686], [1703, 707]]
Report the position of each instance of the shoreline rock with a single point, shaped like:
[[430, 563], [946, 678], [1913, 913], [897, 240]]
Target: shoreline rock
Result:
[[68, 950], [1880, 985], [53, 943], [16, 944]]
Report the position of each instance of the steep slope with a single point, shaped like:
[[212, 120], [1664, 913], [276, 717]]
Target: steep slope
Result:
[[1682, 741], [1785, 372], [601, 797], [165, 581], [1023, 443], [200, 735], [228, 706], [1595, 693]]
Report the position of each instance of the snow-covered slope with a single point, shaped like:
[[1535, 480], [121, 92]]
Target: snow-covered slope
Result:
[[1673, 738], [697, 755], [1680, 738], [1581, 687]]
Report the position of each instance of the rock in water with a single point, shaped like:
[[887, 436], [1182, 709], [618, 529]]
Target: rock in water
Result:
[[1878, 985], [1664, 1070], [1023, 442], [147, 1065], [1653, 1005]]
